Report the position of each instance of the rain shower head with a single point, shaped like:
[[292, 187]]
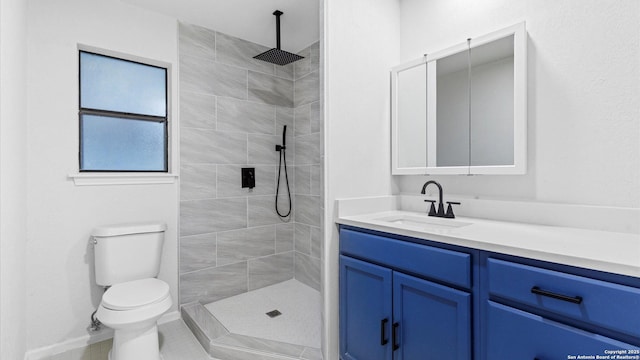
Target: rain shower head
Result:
[[276, 55]]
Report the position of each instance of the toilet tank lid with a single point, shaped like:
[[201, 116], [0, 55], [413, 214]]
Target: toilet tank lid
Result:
[[131, 228]]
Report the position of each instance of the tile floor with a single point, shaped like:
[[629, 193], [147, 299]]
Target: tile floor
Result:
[[176, 343]]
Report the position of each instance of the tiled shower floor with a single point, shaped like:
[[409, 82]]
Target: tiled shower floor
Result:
[[299, 305]]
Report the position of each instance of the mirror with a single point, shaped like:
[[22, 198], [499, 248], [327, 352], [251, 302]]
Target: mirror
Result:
[[452, 111], [492, 90], [474, 94], [411, 107]]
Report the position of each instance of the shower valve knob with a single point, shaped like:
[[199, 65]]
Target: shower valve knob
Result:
[[248, 178]]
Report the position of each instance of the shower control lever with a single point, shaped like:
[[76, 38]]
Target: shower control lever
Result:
[[248, 178]]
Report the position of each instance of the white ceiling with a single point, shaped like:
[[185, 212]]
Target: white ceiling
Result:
[[251, 20]]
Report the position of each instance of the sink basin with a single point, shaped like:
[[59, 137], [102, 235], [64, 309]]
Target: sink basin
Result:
[[422, 221]]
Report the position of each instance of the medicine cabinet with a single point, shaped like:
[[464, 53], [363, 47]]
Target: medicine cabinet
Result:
[[462, 110]]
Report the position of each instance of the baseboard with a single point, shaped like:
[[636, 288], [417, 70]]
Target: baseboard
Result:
[[45, 352], [169, 317]]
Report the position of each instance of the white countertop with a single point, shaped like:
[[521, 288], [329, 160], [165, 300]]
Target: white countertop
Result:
[[613, 252]]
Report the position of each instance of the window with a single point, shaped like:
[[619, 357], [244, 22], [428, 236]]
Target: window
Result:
[[123, 115]]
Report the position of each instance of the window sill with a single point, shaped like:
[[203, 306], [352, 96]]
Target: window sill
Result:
[[98, 179]]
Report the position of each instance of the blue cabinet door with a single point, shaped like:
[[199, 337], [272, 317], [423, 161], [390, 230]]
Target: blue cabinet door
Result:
[[516, 334], [365, 311], [431, 321]]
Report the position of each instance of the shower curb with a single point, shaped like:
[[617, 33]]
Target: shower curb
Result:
[[219, 343]]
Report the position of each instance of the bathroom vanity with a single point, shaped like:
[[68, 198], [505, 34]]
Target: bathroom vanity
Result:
[[417, 287]]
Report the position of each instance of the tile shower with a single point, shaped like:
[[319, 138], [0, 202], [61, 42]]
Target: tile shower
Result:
[[232, 112]]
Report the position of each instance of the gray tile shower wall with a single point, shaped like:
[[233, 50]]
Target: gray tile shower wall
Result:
[[270, 89], [214, 283], [270, 270], [308, 165], [232, 111]]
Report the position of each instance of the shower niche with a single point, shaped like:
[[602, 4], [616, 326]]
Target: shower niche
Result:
[[462, 110]]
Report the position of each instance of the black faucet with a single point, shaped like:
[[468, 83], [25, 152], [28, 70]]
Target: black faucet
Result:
[[440, 212]]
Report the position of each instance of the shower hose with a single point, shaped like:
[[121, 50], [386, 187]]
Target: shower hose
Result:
[[283, 160]]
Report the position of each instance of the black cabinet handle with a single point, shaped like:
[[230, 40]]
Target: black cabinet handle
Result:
[[576, 299], [394, 336], [383, 337]]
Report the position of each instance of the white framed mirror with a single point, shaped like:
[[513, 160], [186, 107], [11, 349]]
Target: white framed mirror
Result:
[[448, 116], [408, 118], [475, 101]]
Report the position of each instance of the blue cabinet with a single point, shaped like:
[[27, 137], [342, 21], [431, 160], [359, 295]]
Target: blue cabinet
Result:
[[432, 321], [516, 334], [387, 314], [365, 310], [535, 310], [601, 303], [404, 299]]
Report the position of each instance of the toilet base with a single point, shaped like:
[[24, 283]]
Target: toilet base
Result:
[[135, 344]]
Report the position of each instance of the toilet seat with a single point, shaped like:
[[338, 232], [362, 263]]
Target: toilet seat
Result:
[[135, 294]]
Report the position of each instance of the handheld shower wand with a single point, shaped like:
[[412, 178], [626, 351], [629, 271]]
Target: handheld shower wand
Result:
[[284, 140], [283, 159]]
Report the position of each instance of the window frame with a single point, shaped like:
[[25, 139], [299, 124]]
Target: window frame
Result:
[[124, 115]]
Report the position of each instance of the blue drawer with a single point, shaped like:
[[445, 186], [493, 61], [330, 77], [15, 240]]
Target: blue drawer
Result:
[[596, 302], [439, 264], [515, 334]]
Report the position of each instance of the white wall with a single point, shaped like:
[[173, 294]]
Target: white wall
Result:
[[13, 191], [61, 289], [583, 100], [361, 43]]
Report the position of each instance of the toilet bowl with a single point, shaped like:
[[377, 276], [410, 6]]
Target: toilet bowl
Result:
[[132, 309]]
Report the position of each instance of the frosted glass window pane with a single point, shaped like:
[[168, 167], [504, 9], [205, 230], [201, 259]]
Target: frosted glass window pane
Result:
[[118, 85], [110, 143]]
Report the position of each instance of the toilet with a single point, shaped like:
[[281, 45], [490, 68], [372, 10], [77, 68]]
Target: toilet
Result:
[[127, 260]]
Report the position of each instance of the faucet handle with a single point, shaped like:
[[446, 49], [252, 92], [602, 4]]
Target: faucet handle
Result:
[[432, 209], [449, 214]]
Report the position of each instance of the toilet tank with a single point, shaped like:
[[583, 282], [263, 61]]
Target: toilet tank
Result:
[[127, 252]]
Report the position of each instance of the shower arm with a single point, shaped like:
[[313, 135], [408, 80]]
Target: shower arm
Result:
[[277, 13]]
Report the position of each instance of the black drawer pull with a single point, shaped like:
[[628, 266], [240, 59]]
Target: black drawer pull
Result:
[[394, 336], [383, 337], [576, 299]]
